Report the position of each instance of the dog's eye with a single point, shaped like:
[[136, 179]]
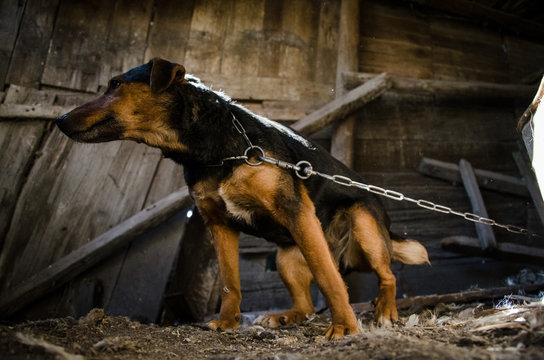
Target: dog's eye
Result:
[[114, 84]]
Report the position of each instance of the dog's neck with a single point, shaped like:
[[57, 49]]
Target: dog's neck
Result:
[[203, 121]]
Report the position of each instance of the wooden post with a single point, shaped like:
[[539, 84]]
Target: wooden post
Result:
[[342, 141], [531, 183], [485, 232]]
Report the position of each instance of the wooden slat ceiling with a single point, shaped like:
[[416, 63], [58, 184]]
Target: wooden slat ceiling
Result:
[[527, 9]]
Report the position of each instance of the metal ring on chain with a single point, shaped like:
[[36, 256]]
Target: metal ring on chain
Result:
[[247, 156], [303, 169]]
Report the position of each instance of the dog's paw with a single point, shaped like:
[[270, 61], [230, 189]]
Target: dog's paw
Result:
[[335, 332], [222, 325], [386, 313], [287, 318]]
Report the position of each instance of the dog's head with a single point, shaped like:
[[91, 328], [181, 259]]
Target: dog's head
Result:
[[135, 106]]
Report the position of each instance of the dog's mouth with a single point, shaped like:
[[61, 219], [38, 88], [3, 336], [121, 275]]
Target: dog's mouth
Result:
[[107, 129]]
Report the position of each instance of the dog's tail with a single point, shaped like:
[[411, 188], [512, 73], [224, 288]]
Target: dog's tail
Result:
[[408, 251]]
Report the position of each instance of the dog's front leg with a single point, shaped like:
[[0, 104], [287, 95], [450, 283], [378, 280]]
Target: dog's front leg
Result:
[[225, 241]]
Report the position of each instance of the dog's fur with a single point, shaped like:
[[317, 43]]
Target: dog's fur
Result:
[[321, 228]]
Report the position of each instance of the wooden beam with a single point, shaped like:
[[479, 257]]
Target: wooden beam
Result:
[[504, 250], [343, 106], [91, 253], [485, 232], [530, 181], [460, 297], [17, 111], [342, 140], [486, 179], [461, 89], [481, 13]]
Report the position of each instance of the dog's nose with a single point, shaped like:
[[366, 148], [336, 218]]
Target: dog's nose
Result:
[[62, 117]]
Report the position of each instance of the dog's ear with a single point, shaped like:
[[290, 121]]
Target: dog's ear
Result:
[[164, 74]]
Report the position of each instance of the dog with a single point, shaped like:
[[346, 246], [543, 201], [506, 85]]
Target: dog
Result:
[[322, 229]]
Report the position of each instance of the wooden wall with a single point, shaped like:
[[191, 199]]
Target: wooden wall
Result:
[[278, 58], [396, 131]]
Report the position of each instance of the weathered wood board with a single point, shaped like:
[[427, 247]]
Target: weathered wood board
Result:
[[32, 45], [148, 262], [85, 54], [19, 140], [80, 195], [10, 18]]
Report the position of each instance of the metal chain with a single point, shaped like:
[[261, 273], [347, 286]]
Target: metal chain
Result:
[[304, 170]]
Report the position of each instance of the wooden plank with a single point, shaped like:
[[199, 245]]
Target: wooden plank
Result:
[[485, 232], [169, 31], [522, 68], [466, 52], [192, 298], [19, 142], [283, 111], [32, 44], [400, 154], [209, 24], [142, 280], [327, 42], [74, 60], [91, 253], [348, 60], [10, 18], [269, 62], [343, 106], [530, 181], [261, 88], [243, 42], [486, 179], [460, 297], [72, 198], [126, 39], [297, 49], [485, 14], [395, 41], [504, 250], [452, 88], [17, 111]]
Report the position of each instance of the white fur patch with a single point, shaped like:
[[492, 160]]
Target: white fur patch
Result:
[[234, 210]]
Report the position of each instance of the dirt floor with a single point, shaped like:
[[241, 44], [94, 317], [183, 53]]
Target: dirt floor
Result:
[[510, 329]]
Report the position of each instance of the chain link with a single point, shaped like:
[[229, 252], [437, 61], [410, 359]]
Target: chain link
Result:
[[303, 169]]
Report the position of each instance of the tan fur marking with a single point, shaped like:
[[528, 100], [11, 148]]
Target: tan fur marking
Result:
[[139, 110], [254, 187]]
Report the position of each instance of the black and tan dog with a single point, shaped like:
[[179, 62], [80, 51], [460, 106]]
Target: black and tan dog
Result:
[[321, 228]]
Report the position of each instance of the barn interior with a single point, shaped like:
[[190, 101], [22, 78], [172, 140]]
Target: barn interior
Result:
[[421, 97]]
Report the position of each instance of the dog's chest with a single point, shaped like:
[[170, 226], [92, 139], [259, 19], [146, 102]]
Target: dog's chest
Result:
[[217, 204]]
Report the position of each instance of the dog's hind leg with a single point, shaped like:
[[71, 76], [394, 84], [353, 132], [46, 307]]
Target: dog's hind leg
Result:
[[297, 277], [375, 246]]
